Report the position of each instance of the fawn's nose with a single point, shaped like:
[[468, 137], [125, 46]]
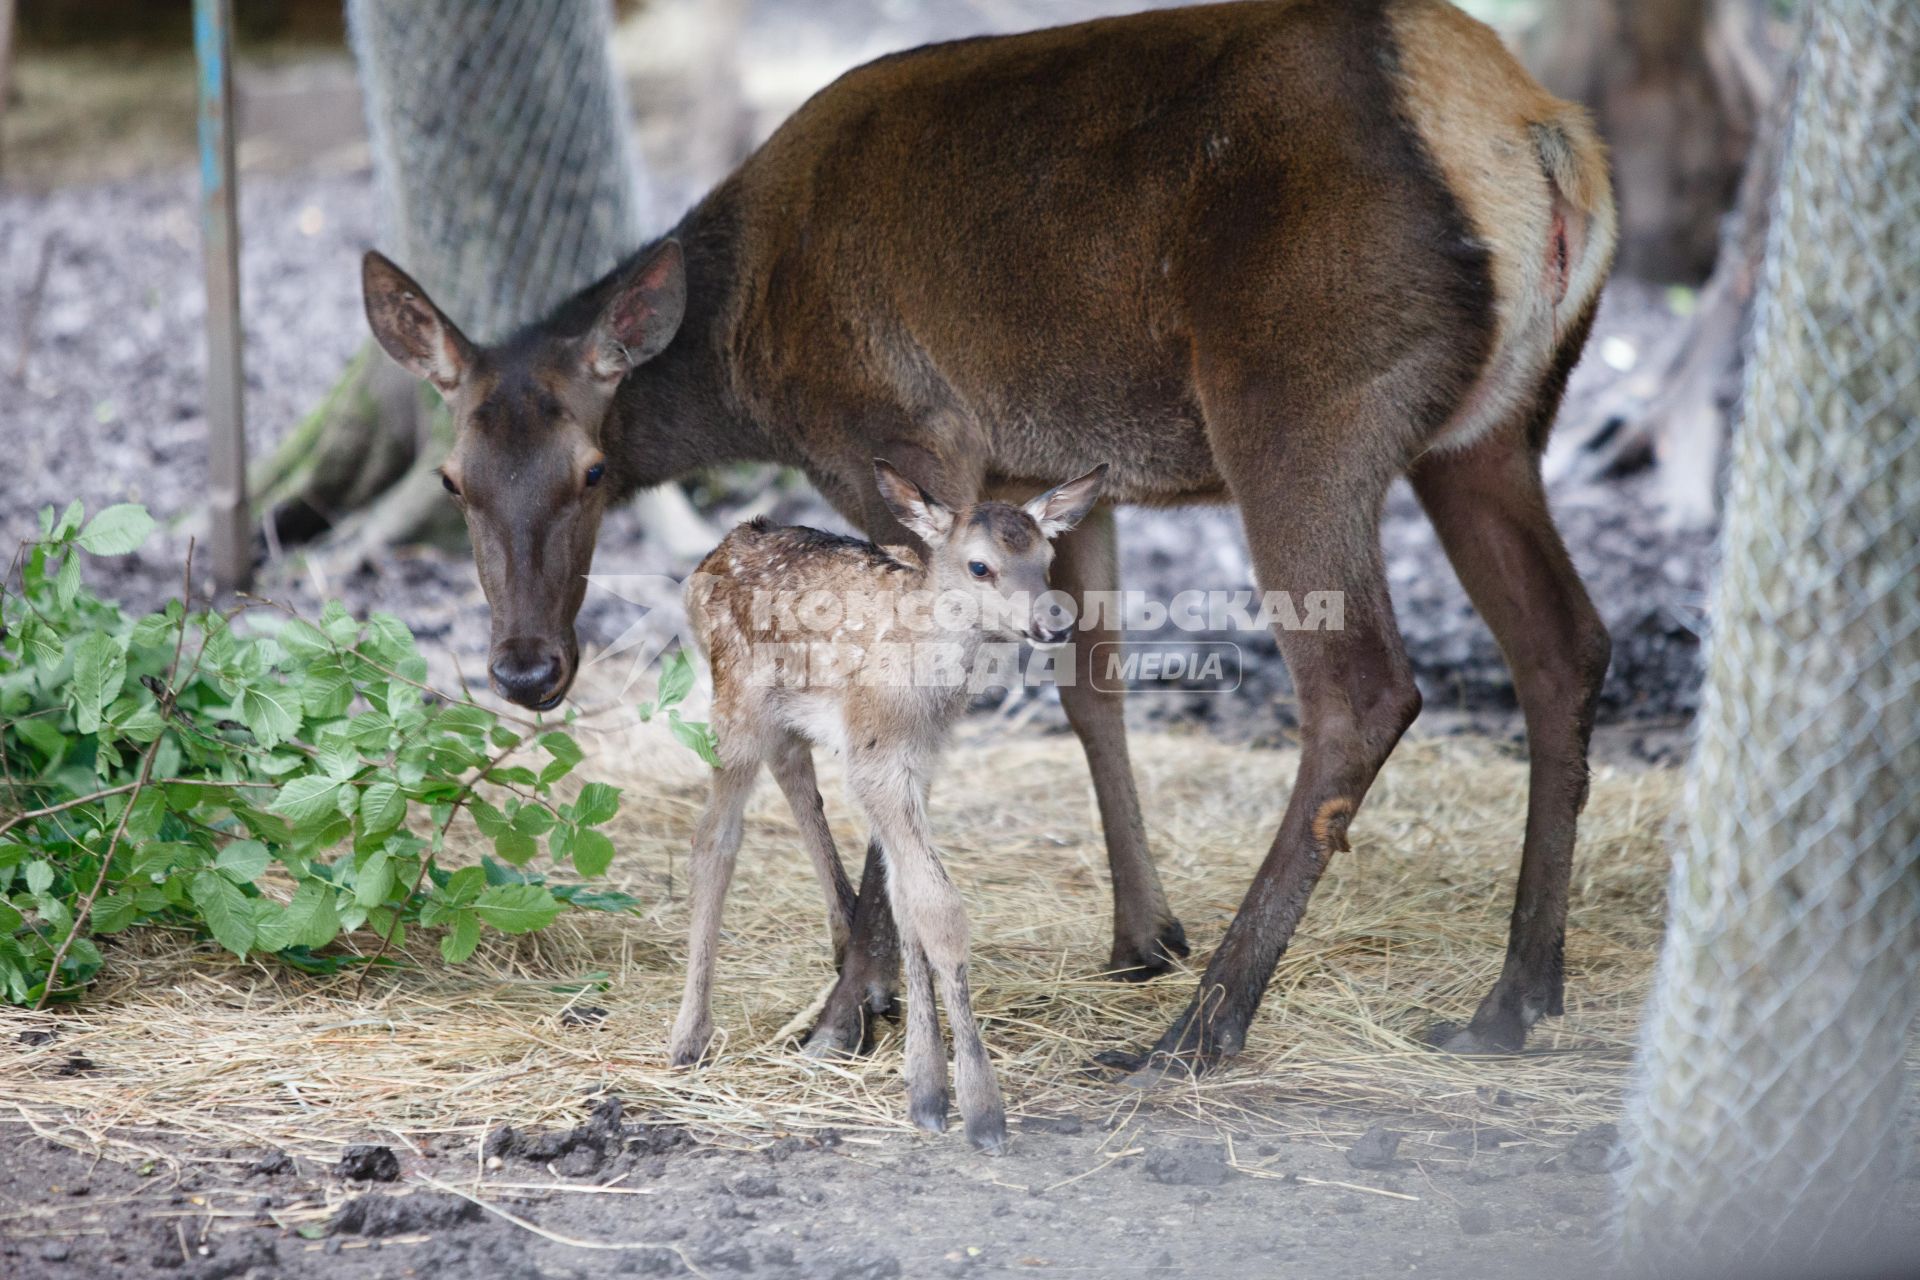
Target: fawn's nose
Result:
[[527, 672], [1051, 635]]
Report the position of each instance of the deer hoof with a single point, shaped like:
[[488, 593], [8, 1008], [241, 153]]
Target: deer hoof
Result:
[[928, 1110], [988, 1131], [1449, 1037], [1136, 960]]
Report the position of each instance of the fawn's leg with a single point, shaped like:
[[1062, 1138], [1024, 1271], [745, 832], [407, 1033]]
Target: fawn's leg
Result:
[[792, 765], [716, 842], [933, 917], [1146, 936], [926, 1059]]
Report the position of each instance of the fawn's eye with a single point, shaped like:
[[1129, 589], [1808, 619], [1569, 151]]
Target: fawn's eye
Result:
[[446, 481], [978, 568], [595, 472]]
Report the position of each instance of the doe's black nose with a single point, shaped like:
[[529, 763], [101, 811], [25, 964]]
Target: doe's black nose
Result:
[[526, 672]]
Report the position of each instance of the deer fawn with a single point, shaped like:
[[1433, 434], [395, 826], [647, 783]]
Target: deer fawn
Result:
[[865, 690], [1274, 253]]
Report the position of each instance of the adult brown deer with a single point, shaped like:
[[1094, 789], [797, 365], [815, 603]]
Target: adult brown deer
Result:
[[1270, 253]]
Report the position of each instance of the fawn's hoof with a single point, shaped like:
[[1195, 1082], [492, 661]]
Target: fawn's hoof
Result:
[[1138, 959], [688, 1052], [928, 1110], [988, 1131]]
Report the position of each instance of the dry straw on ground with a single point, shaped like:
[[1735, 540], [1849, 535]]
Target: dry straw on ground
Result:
[[1408, 928]]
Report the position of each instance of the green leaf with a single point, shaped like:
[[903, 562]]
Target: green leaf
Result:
[[307, 800], [44, 732], [304, 640], [69, 520], [99, 668], [310, 920], [66, 585], [676, 680], [112, 913], [243, 861], [336, 755], [271, 712], [489, 819], [382, 806], [388, 638], [151, 631], [533, 820], [517, 908], [592, 853], [566, 754], [228, 915], [598, 803], [375, 880], [697, 737], [516, 847], [461, 938], [39, 876], [327, 690], [117, 530], [464, 885]]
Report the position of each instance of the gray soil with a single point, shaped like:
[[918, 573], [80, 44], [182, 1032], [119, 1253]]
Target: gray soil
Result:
[[1487, 1204]]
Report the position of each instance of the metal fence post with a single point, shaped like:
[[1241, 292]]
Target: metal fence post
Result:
[[230, 524]]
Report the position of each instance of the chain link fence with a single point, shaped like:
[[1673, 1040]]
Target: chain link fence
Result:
[[501, 149], [1766, 1134]]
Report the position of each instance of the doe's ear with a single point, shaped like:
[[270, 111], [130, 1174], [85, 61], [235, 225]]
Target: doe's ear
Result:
[[911, 505], [642, 316], [1064, 506], [410, 328]]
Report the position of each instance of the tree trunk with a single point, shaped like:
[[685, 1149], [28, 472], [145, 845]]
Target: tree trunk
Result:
[[1669, 83], [1766, 1132], [506, 181]]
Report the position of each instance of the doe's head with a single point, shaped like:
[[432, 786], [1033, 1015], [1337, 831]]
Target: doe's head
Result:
[[997, 551], [527, 466]]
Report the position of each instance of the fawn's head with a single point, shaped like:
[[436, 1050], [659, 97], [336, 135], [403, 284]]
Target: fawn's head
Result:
[[527, 465], [996, 551]]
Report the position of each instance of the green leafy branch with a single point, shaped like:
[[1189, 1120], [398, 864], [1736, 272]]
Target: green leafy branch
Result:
[[274, 784]]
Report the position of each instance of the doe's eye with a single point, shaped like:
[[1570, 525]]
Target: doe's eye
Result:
[[595, 472], [447, 483], [977, 568]]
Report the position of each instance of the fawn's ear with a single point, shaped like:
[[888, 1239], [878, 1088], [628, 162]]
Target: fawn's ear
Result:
[[642, 316], [911, 505], [1064, 506], [410, 328]]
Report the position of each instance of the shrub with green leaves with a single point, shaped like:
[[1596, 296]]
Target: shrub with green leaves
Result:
[[269, 781]]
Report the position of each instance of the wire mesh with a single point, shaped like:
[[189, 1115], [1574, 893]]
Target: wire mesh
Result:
[[501, 149], [1765, 1129]]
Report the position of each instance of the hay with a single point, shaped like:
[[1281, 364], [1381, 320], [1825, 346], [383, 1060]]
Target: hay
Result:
[[1408, 928]]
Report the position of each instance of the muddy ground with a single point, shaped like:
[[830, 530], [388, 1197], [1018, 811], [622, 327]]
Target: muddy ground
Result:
[[1073, 1196], [1126, 1195]]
